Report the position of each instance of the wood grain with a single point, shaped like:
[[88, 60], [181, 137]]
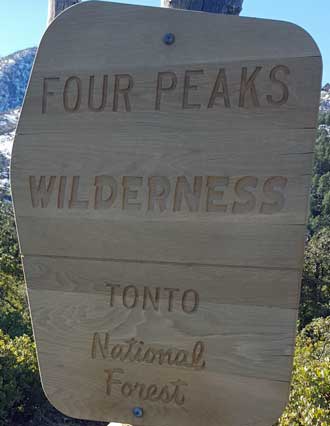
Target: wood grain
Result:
[[161, 195], [223, 284], [237, 358]]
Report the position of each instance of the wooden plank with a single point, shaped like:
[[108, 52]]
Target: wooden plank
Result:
[[239, 245], [250, 38], [231, 347], [236, 359], [218, 285], [284, 153], [262, 208], [148, 99], [161, 195]]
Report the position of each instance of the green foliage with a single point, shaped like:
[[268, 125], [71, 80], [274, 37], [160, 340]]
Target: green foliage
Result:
[[315, 293], [22, 401], [10, 261], [324, 118], [14, 315], [320, 193], [20, 391], [309, 403]]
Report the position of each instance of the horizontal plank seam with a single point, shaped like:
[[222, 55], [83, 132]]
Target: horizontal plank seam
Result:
[[163, 262], [223, 129], [296, 153]]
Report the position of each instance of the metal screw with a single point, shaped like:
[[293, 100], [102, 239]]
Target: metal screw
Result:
[[138, 411], [169, 38]]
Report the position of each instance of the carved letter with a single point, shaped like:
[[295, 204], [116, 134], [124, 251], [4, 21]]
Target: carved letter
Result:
[[91, 105], [192, 197], [129, 194], [285, 90], [164, 395], [223, 93], [141, 391], [122, 90], [116, 352], [187, 86], [138, 355], [160, 88], [170, 297], [181, 358], [127, 389], [243, 190], [42, 192], [178, 398], [248, 84], [111, 380], [152, 393], [75, 106], [61, 192], [159, 189], [112, 292], [104, 348], [153, 299], [214, 194], [100, 183], [194, 305], [273, 189], [46, 92], [74, 203], [125, 296], [127, 355], [197, 355]]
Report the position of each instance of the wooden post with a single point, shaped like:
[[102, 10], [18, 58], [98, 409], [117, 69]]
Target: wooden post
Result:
[[57, 6], [227, 7]]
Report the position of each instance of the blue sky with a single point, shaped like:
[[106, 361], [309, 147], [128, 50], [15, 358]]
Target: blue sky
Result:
[[23, 21]]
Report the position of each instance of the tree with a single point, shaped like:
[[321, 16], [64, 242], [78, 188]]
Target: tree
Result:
[[309, 403], [315, 293], [21, 395], [14, 313], [320, 193], [10, 262]]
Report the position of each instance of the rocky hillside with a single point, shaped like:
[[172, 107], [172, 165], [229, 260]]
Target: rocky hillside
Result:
[[8, 123], [14, 76]]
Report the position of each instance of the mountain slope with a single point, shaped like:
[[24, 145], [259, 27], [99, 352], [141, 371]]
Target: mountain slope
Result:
[[14, 75], [8, 123]]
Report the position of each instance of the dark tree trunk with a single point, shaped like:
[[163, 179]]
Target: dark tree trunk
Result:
[[57, 6], [228, 7]]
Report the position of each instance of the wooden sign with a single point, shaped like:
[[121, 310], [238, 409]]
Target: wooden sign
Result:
[[160, 175]]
